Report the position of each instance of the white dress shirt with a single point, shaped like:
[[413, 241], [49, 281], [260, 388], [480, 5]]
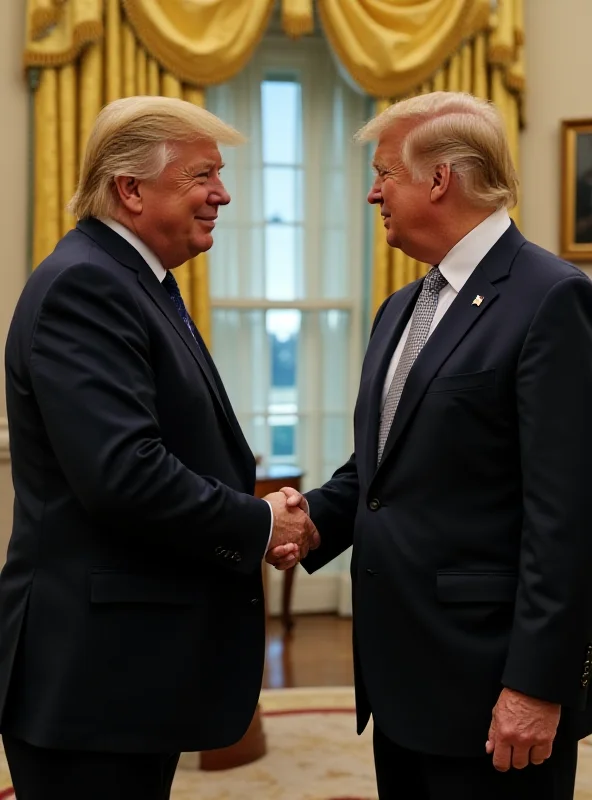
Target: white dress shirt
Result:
[[149, 257], [156, 266], [456, 266]]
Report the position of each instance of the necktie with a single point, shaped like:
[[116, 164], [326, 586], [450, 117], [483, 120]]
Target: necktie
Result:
[[421, 322], [172, 287]]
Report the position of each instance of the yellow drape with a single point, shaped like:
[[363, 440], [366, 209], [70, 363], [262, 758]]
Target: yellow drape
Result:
[[391, 48], [66, 103], [297, 17], [58, 30], [480, 67], [200, 42]]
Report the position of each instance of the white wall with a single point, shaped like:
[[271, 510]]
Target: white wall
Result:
[[559, 86], [13, 209]]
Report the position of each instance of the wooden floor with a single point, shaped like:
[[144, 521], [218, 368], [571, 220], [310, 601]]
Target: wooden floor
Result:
[[318, 652]]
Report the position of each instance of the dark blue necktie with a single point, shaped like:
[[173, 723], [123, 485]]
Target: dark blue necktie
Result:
[[172, 287]]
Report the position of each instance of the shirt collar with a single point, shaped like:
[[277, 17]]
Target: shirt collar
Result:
[[459, 263], [149, 257]]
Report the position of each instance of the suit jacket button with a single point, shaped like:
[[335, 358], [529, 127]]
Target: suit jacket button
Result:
[[374, 504], [254, 601], [219, 551], [237, 557]]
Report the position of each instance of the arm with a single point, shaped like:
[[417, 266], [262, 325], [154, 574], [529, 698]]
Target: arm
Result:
[[553, 618], [93, 381], [333, 508]]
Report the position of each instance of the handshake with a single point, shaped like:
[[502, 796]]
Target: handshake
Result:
[[294, 533]]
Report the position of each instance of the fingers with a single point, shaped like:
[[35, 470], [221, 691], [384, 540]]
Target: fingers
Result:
[[502, 756], [283, 556], [294, 499], [540, 753], [520, 756]]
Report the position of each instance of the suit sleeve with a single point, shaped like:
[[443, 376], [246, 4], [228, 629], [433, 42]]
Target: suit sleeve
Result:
[[333, 507], [93, 381], [552, 627]]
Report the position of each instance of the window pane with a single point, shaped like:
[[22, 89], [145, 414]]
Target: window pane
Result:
[[283, 262], [280, 109], [283, 440], [334, 351], [282, 187]]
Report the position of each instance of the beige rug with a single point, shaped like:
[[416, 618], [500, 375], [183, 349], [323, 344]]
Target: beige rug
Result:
[[312, 754], [315, 755]]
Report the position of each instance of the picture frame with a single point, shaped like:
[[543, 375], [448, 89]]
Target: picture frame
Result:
[[576, 190]]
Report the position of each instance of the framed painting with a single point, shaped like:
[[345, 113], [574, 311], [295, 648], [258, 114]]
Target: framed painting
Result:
[[576, 195]]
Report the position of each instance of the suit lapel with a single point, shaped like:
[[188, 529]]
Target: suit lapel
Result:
[[462, 315], [127, 255], [382, 345]]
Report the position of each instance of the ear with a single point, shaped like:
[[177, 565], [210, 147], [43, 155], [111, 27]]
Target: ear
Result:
[[441, 177], [128, 190]]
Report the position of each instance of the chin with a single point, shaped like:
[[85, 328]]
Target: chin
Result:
[[202, 244], [391, 239]]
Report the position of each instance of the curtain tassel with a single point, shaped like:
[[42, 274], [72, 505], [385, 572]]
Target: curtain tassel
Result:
[[297, 18]]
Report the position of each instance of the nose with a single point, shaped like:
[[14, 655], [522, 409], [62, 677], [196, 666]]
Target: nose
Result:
[[375, 193], [219, 195]]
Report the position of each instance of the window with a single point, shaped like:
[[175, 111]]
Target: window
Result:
[[287, 265]]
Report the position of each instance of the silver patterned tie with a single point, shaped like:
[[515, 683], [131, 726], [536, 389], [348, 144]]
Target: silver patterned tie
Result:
[[421, 322]]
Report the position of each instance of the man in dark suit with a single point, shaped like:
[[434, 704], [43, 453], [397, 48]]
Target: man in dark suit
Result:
[[467, 499], [131, 603]]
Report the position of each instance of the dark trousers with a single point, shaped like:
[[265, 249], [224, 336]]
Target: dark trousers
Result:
[[406, 775], [41, 774]]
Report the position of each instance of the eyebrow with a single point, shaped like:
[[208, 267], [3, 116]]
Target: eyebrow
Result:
[[207, 164]]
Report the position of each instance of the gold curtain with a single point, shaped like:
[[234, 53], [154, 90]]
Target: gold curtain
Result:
[[83, 54], [94, 51], [490, 65], [200, 42], [391, 48]]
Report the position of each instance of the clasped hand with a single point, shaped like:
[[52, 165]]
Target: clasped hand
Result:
[[294, 533]]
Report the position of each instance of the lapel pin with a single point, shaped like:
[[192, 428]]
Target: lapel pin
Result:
[[478, 300]]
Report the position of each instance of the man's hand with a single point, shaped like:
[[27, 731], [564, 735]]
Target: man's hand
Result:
[[293, 533], [522, 730]]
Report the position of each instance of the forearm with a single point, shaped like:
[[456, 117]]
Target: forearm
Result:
[[333, 510]]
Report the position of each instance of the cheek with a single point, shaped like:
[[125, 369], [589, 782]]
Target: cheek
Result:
[[198, 197]]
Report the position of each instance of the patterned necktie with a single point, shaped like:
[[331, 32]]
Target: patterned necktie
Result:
[[172, 287], [421, 322]]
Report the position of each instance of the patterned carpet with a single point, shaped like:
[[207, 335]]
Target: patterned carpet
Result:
[[313, 754]]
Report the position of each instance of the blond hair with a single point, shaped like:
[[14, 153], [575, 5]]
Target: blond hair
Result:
[[133, 137], [460, 130]]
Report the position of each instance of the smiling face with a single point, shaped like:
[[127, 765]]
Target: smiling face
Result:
[[405, 204], [175, 214]]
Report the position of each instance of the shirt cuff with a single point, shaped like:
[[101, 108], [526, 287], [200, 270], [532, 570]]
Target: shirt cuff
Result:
[[270, 528]]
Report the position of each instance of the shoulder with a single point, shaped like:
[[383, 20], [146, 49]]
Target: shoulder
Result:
[[543, 268]]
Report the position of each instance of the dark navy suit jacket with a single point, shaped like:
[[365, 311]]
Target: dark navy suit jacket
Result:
[[131, 603], [472, 541]]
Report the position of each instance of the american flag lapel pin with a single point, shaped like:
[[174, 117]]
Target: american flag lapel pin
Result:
[[478, 300]]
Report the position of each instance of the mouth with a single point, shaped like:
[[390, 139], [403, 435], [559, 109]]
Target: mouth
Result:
[[210, 222]]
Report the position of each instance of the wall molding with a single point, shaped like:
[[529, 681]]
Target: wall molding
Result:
[[323, 592], [4, 451]]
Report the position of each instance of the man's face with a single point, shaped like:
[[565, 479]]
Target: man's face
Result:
[[405, 205], [179, 209]]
